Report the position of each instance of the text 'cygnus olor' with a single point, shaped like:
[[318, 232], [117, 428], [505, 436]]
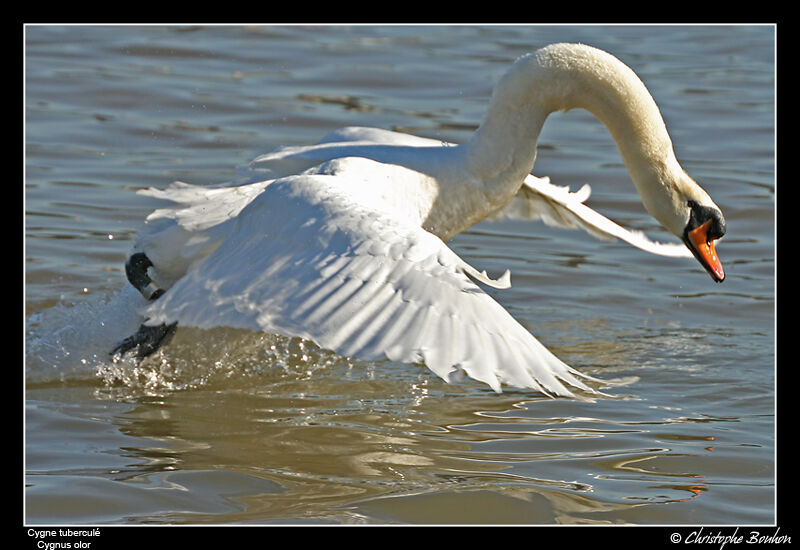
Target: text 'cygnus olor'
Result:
[[343, 243]]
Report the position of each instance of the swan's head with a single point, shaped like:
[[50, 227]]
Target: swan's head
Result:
[[705, 225], [685, 209]]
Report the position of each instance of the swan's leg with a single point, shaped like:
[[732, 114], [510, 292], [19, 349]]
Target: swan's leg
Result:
[[147, 339]]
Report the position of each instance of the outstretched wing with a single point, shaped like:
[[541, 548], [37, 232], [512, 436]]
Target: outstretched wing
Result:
[[557, 206], [306, 259]]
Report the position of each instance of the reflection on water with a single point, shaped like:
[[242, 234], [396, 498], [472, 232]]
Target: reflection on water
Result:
[[228, 426]]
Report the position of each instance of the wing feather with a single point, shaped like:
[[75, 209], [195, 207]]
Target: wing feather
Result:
[[557, 206]]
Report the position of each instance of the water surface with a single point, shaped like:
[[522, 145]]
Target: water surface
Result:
[[228, 427]]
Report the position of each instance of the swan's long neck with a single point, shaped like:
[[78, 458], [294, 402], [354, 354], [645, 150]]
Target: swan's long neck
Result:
[[563, 77]]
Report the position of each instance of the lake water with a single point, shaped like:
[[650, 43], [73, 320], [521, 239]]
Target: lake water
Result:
[[230, 427]]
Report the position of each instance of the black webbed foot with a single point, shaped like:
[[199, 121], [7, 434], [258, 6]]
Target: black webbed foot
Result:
[[147, 339]]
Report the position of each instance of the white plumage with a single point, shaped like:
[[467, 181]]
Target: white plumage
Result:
[[343, 242]]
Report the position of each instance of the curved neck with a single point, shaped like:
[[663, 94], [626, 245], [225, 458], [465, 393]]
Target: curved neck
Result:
[[563, 77]]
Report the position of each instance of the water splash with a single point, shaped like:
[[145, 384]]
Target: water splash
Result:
[[70, 343], [219, 358]]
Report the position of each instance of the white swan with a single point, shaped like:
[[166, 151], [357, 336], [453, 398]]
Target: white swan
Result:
[[344, 243]]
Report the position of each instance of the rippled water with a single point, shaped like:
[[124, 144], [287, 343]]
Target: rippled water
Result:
[[230, 427]]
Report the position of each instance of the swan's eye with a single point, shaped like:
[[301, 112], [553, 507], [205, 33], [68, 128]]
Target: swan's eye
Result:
[[700, 214]]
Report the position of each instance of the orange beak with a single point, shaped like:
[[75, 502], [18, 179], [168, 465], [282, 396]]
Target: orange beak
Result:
[[705, 251]]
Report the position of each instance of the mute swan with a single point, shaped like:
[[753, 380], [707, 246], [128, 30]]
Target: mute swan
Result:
[[343, 243]]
